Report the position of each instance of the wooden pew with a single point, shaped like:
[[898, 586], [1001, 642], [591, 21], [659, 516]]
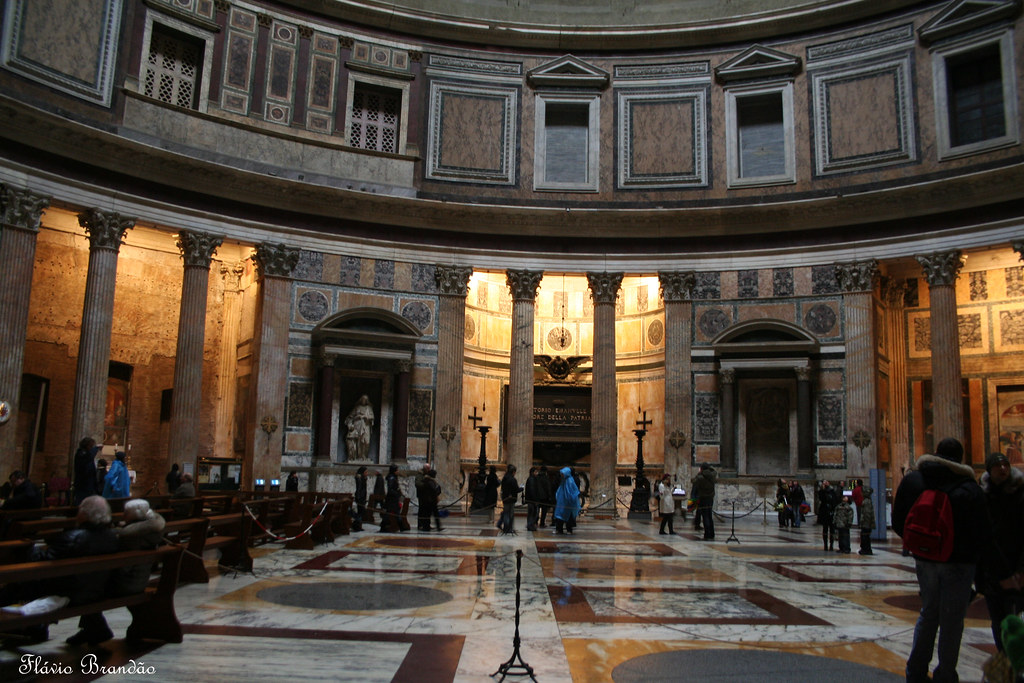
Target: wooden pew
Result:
[[153, 615], [227, 533], [16, 551], [316, 517], [271, 514]]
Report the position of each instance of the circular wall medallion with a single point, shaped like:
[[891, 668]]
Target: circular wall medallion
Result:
[[313, 306], [820, 319], [655, 332], [559, 338], [470, 328], [713, 321], [418, 313]]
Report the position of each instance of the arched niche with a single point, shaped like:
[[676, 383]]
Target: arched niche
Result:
[[364, 351]]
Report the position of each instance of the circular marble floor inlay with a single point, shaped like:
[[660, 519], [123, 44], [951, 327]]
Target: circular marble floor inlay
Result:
[[353, 596], [736, 666]]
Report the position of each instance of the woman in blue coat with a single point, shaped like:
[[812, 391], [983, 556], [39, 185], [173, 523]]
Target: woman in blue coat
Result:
[[567, 502]]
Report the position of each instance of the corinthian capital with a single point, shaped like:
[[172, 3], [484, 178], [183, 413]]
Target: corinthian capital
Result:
[[857, 276], [942, 268], [21, 209], [453, 280], [197, 247], [893, 292], [523, 283], [604, 287], [676, 285], [1018, 247], [275, 260], [105, 229]]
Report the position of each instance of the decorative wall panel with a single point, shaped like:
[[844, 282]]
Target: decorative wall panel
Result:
[[662, 138], [323, 77], [472, 133], [239, 58], [70, 46], [282, 59]]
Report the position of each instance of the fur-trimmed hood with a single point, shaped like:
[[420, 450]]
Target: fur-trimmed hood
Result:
[[1010, 486], [934, 466]]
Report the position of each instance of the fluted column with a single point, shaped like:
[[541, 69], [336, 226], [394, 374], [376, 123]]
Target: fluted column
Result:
[[269, 385], [895, 420], [604, 287], [400, 430], [805, 442], [941, 271], [325, 441], [20, 212], [676, 288], [452, 285], [523, 286], [197, 250], [227, 377], [727, 389], [857, 281], [106, 231]]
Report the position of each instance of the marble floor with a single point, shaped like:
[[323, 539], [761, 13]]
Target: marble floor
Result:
[[616, 601]]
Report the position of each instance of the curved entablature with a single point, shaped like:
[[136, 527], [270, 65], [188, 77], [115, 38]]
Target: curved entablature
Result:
[[366, 332], [763, 337]]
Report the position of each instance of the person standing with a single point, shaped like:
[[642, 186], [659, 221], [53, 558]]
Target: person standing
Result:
[[666, 504], [867, 520], [782, 504], [360, 499], [117, 483], [547, 495], [491, 486], [945, 586], [422, 498], [828, 499], [842, 520], [704, 491], [1002, 578], [434, 499], [291, 482], [24, 494], [85, 469], [796, 501], [173, 478], [533, 499], [509, 492], [391, 518], [379, 491], [567, 502]]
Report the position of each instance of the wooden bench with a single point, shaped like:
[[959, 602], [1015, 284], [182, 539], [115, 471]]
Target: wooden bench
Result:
[[40, 528], [314, 517], [152, 610], [271, 514], [227, 533]]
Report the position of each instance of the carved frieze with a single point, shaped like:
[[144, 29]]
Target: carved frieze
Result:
[[857, 276], [523, 283], [604, 287], [105, 229], [676, 285], [197, 248], [22, 209], [453, 280], [941, 268], [275, 260]]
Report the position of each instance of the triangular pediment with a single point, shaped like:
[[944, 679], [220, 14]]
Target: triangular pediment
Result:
[[967, 15], [568, 72], [758, 62]]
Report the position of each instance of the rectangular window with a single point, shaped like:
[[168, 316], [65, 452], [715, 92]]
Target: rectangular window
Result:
[[759, 124], [566, 143], [173, 67], [374, 122], [975, 95]]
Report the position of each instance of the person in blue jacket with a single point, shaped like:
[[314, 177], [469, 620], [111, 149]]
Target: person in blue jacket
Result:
[[117, 483]]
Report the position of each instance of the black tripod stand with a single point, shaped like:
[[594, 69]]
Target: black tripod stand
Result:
[[510, 667]]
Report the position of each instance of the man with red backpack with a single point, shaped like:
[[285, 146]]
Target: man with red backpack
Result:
[[938, 499]]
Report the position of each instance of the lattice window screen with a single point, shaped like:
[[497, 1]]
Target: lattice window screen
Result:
[[172, 70], [375, 119]]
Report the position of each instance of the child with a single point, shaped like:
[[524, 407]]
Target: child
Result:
[[867, 521], [843, 520]]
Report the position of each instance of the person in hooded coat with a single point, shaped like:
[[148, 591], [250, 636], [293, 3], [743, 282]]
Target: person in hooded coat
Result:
[[567, 502]]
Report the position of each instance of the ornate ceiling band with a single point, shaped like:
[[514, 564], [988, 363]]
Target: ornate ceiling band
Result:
[[105, 229], [21, 209], [275, 260], [197, 248], [523, 283], [604, 287], [453, 280], [676, 285], [858, 276], [942, 268]]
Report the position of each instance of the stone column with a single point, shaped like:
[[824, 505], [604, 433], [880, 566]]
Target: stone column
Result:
[[894, 423], [941, 271], [400, 428], [20, 212], [676, 288], [805, 442], [197, 250], [106, 231], [523, 285], [857, 281], [227, 377], [727, 389], [325, 442], [452, 285], [604, 410], [269, 385]]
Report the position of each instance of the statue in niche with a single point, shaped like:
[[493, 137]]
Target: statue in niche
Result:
[[359, 424]]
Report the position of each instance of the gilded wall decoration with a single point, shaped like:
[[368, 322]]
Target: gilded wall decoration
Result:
[[1011, 328], [655, 333], [1014, 281], [559, 338], [469, 332], [979, 286]]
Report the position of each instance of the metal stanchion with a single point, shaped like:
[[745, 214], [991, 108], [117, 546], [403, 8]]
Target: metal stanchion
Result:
[[510, 667]]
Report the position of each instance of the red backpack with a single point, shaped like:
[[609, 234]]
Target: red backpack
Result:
[[928, 531]]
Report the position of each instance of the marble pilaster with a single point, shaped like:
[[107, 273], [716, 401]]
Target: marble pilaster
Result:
[[857, 281], [325, 440], [105, 231], [227, 377], [19, 226], [941, 271], [676, 292], [604, 406], [727, 390], [523, 285], [893, 420], [197, 250], [400, 429], [805, 449], [452, 285], [269, 382]]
